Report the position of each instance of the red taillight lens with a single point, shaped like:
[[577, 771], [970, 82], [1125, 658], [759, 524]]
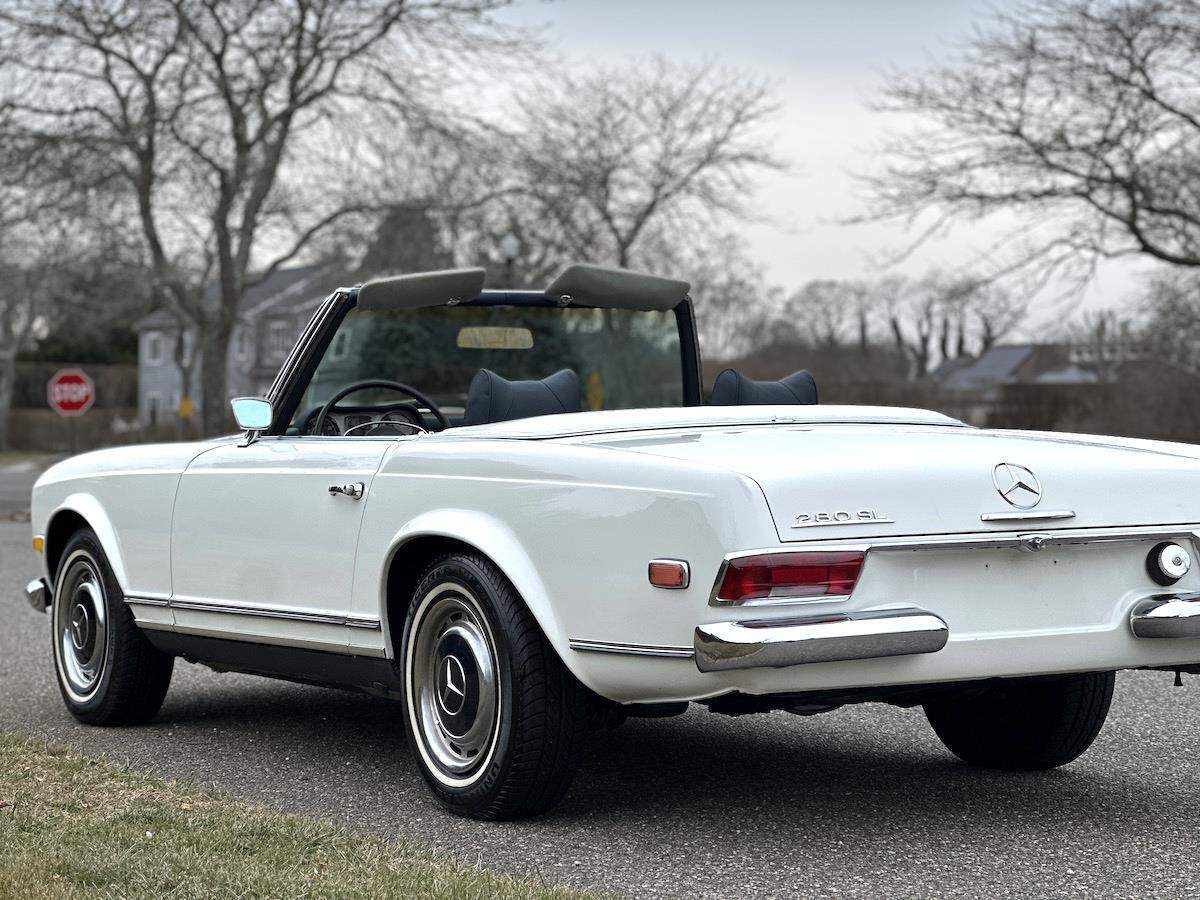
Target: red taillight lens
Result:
[[790, 576]]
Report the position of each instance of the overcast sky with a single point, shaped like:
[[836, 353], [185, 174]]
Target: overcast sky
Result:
[[826, 58]]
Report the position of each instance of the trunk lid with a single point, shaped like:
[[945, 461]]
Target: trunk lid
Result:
[[848, 481]]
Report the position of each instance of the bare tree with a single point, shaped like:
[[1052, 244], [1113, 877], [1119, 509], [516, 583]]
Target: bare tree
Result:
[[210, 114], [1170, 332], [828, 314], [610, 164], [1081, 118], [736, 308], [1103, 341], [941, 317], [19, 304]]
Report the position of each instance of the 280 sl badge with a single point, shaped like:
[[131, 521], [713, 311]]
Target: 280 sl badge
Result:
[[838, 517]]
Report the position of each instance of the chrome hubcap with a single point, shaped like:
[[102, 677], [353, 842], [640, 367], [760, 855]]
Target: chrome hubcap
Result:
[[453, 683], [81, 626]]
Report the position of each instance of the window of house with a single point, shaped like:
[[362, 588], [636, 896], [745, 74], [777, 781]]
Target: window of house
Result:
[[278, 339], [243, 343], [154, 349], [153, 409], [340, 346]]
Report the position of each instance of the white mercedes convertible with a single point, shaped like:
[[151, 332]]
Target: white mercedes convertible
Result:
[[512, 512]]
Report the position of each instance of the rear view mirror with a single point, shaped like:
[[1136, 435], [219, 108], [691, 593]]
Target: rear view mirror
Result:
[[252, 413], [483, 337]]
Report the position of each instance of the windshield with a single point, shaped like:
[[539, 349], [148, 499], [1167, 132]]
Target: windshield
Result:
[[624, 359]]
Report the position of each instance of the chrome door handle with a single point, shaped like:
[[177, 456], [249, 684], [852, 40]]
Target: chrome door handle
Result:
[[354, 491]]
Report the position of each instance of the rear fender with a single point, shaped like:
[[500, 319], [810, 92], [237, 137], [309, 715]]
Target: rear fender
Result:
[[495, 540]]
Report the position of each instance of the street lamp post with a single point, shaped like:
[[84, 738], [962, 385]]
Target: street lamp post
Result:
[[510, 249]]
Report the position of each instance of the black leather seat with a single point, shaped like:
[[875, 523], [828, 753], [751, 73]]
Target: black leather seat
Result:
[[492, 398], [732, 388]]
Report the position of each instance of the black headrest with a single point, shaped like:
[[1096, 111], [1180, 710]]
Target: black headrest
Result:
[[494, 399], [735, 389]]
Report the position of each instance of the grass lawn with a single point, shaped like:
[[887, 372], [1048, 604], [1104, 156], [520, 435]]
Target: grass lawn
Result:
[[71, 827], [15, 457]]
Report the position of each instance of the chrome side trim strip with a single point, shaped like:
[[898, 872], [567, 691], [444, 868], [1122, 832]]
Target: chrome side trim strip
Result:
[[293, 615], [145, 601], [1166, 616], [1029, 514], [723, 646], [663, 650]]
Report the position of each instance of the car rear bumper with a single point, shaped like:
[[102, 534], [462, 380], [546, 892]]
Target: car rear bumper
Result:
[[1167, 616], [722, 646], [37, 592], [725, 646]]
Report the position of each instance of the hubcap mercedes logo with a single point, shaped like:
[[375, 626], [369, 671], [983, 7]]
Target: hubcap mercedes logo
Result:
[[452, 693], [1017, 485], [79, 627]]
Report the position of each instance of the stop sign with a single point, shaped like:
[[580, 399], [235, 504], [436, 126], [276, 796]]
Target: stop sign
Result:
[[70, 392]]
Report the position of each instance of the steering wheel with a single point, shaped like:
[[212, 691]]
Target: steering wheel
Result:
[[390, 385]]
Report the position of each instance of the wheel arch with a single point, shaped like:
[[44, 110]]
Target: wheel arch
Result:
[[82, 511], [437, 534]]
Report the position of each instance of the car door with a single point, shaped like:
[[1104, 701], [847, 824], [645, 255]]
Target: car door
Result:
[[262, 549]]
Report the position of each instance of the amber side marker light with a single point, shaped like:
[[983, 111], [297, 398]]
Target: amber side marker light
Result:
[[673, 574], [819, 575], [39, 543]]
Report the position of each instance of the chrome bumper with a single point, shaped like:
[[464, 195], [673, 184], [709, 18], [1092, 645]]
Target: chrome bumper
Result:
[[37, 592], [722, 646], [1167, 616]]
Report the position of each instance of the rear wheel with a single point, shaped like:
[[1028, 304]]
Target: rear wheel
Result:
[[496, 723], [1025, 725], [108, 673]]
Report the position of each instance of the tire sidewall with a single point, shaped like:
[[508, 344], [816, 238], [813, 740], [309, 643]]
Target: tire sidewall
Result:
[[460, 571], [85, 544]]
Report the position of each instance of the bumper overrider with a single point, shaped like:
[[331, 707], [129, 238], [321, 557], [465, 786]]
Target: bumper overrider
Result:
[[1167, 616], [37, 592], [724, 646]]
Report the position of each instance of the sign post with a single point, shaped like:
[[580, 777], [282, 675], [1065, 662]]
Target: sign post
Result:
[[70, 393]]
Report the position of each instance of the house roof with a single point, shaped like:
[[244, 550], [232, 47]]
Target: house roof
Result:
[[1009, 363], [996, 366], [284, 288]]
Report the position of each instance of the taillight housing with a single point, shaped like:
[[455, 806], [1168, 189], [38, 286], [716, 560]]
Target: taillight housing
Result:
[[815, 575]]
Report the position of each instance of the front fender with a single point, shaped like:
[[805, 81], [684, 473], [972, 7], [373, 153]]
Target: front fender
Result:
[[91, 511]]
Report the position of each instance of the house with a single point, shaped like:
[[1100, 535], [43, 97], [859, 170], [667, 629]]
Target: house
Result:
[[1007, 364], [270, 318]]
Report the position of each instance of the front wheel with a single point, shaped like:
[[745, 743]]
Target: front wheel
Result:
[[1025, 725], [496, 723], [108, 672]]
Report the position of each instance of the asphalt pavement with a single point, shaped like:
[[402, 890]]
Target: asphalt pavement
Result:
[[861, 802]]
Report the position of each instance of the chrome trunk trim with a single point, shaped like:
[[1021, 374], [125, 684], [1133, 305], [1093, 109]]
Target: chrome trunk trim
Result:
[[722, 646], [37, 592], [664, 650], [1167, 616], [1028, 515], [982, 540]]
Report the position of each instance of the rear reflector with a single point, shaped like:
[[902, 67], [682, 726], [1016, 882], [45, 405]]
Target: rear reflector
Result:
[[669, 573], [790, 576]]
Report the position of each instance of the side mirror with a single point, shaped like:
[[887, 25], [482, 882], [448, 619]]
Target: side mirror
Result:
[[252, 413]]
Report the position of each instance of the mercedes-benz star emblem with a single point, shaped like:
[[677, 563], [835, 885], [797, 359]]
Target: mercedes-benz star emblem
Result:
[[452, 693], [1017, 485]]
